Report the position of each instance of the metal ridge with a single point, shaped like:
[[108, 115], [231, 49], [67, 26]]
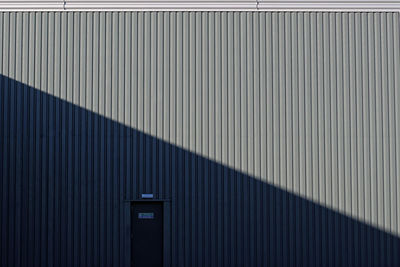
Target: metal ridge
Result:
[[205, 5]]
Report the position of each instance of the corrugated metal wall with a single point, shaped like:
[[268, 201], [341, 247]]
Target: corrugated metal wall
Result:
[[276, 136]]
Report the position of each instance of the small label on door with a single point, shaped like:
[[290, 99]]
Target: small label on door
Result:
[[146, 215]]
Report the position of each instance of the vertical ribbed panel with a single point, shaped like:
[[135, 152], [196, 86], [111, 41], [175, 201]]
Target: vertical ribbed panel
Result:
[[275, 136]]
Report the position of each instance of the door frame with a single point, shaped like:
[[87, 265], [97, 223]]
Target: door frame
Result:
[[166, 242]]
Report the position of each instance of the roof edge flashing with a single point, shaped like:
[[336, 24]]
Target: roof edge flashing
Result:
[[202, 5]]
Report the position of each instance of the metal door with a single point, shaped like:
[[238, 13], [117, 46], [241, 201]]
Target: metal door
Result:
[[147, 234]]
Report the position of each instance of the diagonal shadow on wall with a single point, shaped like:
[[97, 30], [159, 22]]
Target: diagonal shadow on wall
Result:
[[66, 174]]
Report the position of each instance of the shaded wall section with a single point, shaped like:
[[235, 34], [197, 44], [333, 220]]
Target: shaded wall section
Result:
[[252, 124], [67, 173]]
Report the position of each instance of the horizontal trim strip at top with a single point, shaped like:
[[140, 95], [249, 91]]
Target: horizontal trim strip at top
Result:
[[245, 5]]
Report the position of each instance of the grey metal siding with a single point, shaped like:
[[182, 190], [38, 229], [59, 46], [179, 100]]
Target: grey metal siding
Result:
[[275, 136]]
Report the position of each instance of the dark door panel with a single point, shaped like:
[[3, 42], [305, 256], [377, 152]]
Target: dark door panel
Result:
[[147, 234]]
